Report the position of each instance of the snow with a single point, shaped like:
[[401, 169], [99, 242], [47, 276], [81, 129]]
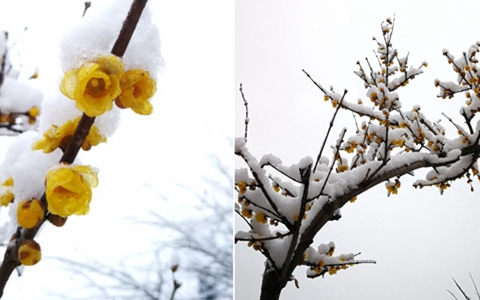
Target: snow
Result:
[[16, 96], [95, 34]]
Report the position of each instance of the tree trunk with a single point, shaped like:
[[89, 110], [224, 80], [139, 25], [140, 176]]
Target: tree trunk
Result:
[[272, 284]]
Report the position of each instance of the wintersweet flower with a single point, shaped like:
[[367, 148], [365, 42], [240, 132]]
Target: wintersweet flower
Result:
[[29, 253], [69, 189], [34, 112], [6, 192], [137, 87], [30, 213], [59, 137], [94, 85]]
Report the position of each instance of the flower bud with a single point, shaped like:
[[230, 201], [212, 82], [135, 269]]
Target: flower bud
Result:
[[29, 253], [30, 213], [57, 220]]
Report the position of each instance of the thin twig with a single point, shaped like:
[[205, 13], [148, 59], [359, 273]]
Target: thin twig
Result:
[[331, 121], [247, 120], [87, 6], [453, 295], [475, 285], [460, 288], [337, 150]]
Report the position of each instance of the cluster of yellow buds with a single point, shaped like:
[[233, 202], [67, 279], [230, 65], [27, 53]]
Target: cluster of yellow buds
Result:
[[95, 85], [392, 187], [322, 261], [6, 192]]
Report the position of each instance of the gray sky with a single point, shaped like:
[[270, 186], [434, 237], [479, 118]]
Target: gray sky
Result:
[[419, 239]]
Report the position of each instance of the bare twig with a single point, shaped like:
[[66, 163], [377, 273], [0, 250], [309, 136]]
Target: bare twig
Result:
[[475, 285], [247, 120], [87, 6], [460, 288], [331, 121]]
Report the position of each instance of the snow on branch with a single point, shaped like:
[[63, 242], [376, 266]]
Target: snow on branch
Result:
[[285, 213]]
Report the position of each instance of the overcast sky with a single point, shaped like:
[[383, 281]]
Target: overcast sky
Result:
[[419, 239], [148, 158]]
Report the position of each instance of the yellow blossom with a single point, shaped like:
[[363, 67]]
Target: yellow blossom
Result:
[[6, 192], [330, 251], [4, 118], [29, 253], [474, 171], [247, 213], [242, 185], [94, 85], [69, 189], [59, 137], [392, 188], [30, 213], [260, 218], [308, 206], [34, 112], [137, 87], [332, 270], [276, 187]]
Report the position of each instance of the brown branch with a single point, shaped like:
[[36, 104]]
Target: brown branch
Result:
[[128, 28], [11, 260]]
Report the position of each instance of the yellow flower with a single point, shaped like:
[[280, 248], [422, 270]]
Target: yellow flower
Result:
[[34, 112], [94, 85], [59, 137], [247, 213], [342, 168], [137, 87], [242, 185], [69, 189], [6, 192], [330, 251], [30, 213], [260, 218], [4, 118], [332, 270], [29, 253]]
